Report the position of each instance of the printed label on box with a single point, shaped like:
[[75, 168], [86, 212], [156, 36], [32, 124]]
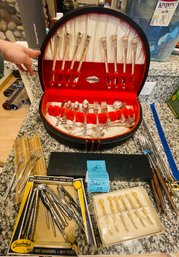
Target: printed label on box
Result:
[[164, 12], [98, 178]]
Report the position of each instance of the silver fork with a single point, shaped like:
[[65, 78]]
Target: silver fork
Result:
[[23, 171], [21, 160], [37, 157]]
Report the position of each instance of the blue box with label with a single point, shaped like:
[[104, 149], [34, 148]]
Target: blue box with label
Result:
[[160, 21]]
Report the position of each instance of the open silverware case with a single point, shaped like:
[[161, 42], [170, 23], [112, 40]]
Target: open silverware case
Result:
[[93, 64]]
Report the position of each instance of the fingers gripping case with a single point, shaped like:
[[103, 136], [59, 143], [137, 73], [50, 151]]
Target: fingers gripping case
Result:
[[93, 64]]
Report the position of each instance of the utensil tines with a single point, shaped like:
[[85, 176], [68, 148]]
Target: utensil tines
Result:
[[8, 190]]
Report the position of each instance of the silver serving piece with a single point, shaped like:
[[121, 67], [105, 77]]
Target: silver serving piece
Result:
[[56, 49], [134, 50], [124, 50], [114, 46], [84, 52], [67, 44], [85, 109], [104, 46]]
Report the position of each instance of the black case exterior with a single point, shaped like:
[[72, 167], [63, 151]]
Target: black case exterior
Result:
[[119, 166], [83, 143]]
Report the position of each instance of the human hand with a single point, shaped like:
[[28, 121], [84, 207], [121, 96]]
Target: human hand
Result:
[[18, 54]]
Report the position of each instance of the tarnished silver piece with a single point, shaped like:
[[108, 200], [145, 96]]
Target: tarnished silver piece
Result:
[[33, 215], [124, 49], [56, 49], [104, 46], [47, 217], [71, 201], [104, 109], [76, 107], [117, 104], [27, 216], [58, 210], [37, 157], [67, 44], [53, 225], [48, 205], [68, 106], [78, 42], [97, 128], [21, 160], [85, 109], [85, 50], [92, 79], [87, 41], [68, 208], [57, 200], [59, 117], [32, 157], [134, 50], [114, 46]]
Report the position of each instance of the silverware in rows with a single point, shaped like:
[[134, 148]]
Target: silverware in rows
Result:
[[78, 42]]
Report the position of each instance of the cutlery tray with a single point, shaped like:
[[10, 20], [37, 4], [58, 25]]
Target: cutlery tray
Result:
[[93, 64]]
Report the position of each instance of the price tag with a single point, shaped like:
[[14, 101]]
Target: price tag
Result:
[[163, 12], [98, 178]]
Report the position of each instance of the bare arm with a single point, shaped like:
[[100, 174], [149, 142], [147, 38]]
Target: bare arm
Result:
[[19, 55]]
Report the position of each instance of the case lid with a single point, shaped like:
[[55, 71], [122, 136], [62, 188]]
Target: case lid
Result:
[[95, 48]]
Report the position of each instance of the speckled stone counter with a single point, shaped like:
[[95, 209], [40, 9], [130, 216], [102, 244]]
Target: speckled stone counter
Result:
[[165, 242]]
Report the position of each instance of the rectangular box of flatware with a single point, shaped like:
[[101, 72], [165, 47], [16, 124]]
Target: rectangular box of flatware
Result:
[[52, 213], [93, 64], [124, 215]]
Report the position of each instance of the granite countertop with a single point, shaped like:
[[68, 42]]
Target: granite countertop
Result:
[[165, 242], [167, 68]]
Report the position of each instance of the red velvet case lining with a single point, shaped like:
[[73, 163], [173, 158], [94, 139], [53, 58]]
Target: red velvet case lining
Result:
[[126, 81]]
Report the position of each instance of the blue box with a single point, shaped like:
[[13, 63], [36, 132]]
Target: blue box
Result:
[[162, 39]]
